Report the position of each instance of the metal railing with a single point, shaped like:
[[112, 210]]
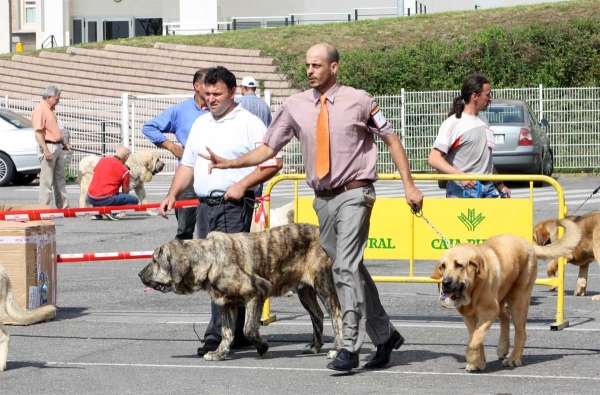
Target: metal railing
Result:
[[49, 42], [98, 125]]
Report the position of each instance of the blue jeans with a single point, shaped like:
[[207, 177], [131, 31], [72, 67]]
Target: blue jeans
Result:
[[120, 199], [455, 190]]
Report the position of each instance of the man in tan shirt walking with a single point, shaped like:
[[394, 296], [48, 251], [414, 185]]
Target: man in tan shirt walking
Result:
[[50, 145]]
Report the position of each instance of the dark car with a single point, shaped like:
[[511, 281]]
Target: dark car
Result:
[[522, 142]]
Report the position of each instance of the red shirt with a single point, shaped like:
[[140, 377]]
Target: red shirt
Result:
[[109, 175]]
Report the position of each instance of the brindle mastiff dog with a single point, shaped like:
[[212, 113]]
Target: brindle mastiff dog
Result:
[[494, 280], [247, 268]]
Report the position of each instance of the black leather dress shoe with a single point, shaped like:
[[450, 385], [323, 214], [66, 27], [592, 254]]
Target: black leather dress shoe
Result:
[[345, 361], [384, 351], [209, 345]]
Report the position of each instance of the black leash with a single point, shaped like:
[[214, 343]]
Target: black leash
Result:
[[585, 201]]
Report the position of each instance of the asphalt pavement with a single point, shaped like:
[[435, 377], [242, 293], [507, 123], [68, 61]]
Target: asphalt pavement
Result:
[[111, 337]]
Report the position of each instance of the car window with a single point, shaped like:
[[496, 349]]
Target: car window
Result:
[[504, 114], [15, 119]]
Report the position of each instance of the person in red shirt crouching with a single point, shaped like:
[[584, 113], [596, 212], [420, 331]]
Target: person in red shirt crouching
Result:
[[110, 175]]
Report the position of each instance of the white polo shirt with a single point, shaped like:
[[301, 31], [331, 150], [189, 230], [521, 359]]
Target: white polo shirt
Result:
[[230, 137]]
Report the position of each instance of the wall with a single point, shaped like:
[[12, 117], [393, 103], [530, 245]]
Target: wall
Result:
[[167, 9], [5, 26]]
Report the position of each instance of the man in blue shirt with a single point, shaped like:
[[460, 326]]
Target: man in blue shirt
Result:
[[253, 103], [178, 120]]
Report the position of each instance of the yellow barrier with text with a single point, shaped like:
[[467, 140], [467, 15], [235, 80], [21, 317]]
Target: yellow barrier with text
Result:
[[459, 220]]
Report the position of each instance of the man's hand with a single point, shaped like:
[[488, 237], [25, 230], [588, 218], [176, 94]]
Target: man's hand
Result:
[[413, 196], [468, 184], [503, 188], [235, 192], [47, 154], [68, 147], [166, 205], [216, 162]]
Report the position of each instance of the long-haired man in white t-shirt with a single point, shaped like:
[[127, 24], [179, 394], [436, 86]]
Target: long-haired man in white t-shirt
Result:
[[465, 141]]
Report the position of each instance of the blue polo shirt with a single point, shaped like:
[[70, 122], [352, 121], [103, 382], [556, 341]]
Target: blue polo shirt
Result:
[[177, 119]]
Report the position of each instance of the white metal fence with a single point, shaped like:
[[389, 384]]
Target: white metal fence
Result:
[[98, 125]]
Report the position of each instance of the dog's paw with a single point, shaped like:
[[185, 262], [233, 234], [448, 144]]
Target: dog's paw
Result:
[[552, 289], [472, 368], [3, 367], [596, 297], [214, 356], [332, 354], [262, 348], [120, 215], [580, 292], [151, 213], [311, 348], [513, 362]]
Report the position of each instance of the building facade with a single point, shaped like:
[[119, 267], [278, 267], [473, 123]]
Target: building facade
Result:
[[40, 24]]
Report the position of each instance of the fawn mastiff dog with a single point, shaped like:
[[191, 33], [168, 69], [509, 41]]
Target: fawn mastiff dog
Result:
[[247, 268], [25, 317], [142, 166], [587, 251], [494, 280]]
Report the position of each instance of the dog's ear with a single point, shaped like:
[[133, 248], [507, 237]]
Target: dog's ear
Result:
[[477, 262], [437, 272]]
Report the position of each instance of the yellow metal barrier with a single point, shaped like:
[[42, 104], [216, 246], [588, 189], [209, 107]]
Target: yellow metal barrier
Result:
[[393, 237]]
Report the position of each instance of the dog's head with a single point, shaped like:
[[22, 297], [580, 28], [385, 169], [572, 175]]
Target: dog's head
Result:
[[459, 268], [170, 269], [545, 232], [154, 164], [143, 165]]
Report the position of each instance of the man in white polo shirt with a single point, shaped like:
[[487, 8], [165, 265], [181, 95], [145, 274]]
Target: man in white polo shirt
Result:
[[231, 131]]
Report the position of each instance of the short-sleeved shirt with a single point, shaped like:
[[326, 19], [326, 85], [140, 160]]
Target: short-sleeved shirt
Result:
[[467, 142], [109, 175], [354, 120], [45, 122], [232, 136], [256, 106]]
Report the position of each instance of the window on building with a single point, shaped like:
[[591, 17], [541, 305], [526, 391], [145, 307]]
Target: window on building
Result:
[[29, 17], [148, 26]]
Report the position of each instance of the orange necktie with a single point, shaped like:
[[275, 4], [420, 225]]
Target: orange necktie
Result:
[[322, 165]]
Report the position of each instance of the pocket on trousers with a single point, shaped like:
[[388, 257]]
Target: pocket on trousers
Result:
[[369, 199]]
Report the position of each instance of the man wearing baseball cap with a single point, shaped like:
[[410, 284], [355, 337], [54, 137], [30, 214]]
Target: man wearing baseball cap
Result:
[[253, 103]]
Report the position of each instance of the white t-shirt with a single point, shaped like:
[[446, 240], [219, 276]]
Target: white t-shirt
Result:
[[467, 142], [230, 137]]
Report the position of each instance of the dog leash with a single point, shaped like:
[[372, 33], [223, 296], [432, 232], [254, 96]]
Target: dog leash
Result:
[[418, 212], [585, 201]]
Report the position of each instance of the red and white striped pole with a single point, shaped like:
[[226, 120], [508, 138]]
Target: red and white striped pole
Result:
[[44, 214], [103, 256]]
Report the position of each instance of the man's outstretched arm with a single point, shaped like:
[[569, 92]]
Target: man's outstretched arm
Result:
[[252, 158]]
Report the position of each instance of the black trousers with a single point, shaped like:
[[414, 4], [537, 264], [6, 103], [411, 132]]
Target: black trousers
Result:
[[186, 217], [228, 217]]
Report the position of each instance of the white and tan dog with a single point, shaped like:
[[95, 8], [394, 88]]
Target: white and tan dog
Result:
[[25, 317], [495, 280], [142, 166]]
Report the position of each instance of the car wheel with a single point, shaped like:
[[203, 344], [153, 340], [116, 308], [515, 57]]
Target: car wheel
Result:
[[7, 170], [442, 184], [23, 179], [548, 164]]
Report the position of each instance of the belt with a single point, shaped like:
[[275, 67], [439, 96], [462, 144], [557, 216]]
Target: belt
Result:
[[336, 191], [52, 142], [216, 200]]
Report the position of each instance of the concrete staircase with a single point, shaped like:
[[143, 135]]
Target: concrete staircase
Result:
[[163, 69]]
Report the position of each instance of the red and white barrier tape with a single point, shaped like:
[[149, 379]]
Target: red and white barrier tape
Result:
[[103, 256], [43, 214], [261, 213]]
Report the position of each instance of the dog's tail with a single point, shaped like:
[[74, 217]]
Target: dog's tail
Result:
[[562, 246], [25, 317]]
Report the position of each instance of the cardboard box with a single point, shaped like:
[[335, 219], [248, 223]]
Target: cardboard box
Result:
[[28, 254]]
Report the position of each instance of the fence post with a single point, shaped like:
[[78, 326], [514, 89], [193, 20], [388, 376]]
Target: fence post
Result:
[[125, 119], [6, 102], [541, 103], [355, 14], [267, 98], [103, 137], [234, 23], [402, 116]]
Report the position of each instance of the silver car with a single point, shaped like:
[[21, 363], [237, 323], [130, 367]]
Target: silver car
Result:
[[19, 163], [522, 142]]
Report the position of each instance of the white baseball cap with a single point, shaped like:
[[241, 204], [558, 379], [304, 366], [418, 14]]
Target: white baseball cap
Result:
[[249, 82]]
